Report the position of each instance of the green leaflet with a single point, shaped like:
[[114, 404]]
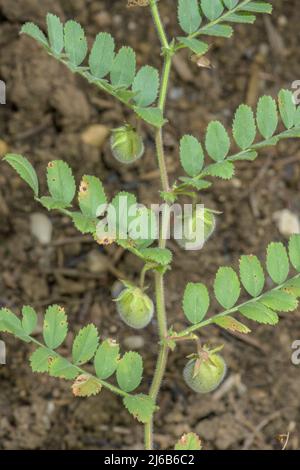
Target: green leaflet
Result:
[[188, 441], [29, 320], [102, 55], [91, 197], [83, 223], [41, 359], [196, 46], [10, 323], [55, 33], [212, 9], [130, 371], [195, 302], [227, 287], [277, 262], [252, 275], [61, 367], [61, 182], [244, 129], [140, 406], [260, 313], [24, 169], [34, 31], [217, 141], [224, 170], [258, 7], [161, 256], [267, 116], [287, 108], [152, 116], [280, 300], [191, 155], [294, 251], [219, 30], [241, 17], [230, 3], [230, 323], [189, 15], [145, 85], [85, 344], [123, 68], [106, 359], [55, 326], [75, 42], [86, 385]]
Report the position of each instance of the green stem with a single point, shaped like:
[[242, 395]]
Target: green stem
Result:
[[235, 309], [159, 277], [158, 23]]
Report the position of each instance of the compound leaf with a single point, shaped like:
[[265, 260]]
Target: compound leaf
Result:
[[85, 344], [227, 287], [252, 275], [55, 326], [106, 358], [130, 371], [195, 302], [277, 262], [24, 169]]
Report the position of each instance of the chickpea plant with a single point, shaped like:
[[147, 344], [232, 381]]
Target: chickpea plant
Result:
[[144, 93]]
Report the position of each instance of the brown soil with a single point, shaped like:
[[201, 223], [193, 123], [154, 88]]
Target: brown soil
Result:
[[46, 112]]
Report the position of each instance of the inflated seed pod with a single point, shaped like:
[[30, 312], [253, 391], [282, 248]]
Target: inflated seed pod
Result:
[[135, 307], [207, 376], [126, 144]]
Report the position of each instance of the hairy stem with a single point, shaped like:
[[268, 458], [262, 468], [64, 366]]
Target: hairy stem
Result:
[[159, 277]]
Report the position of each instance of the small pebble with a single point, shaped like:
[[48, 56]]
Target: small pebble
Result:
[[41, 227]]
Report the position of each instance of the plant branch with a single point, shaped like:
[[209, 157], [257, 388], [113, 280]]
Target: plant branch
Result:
[[235, 309]]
